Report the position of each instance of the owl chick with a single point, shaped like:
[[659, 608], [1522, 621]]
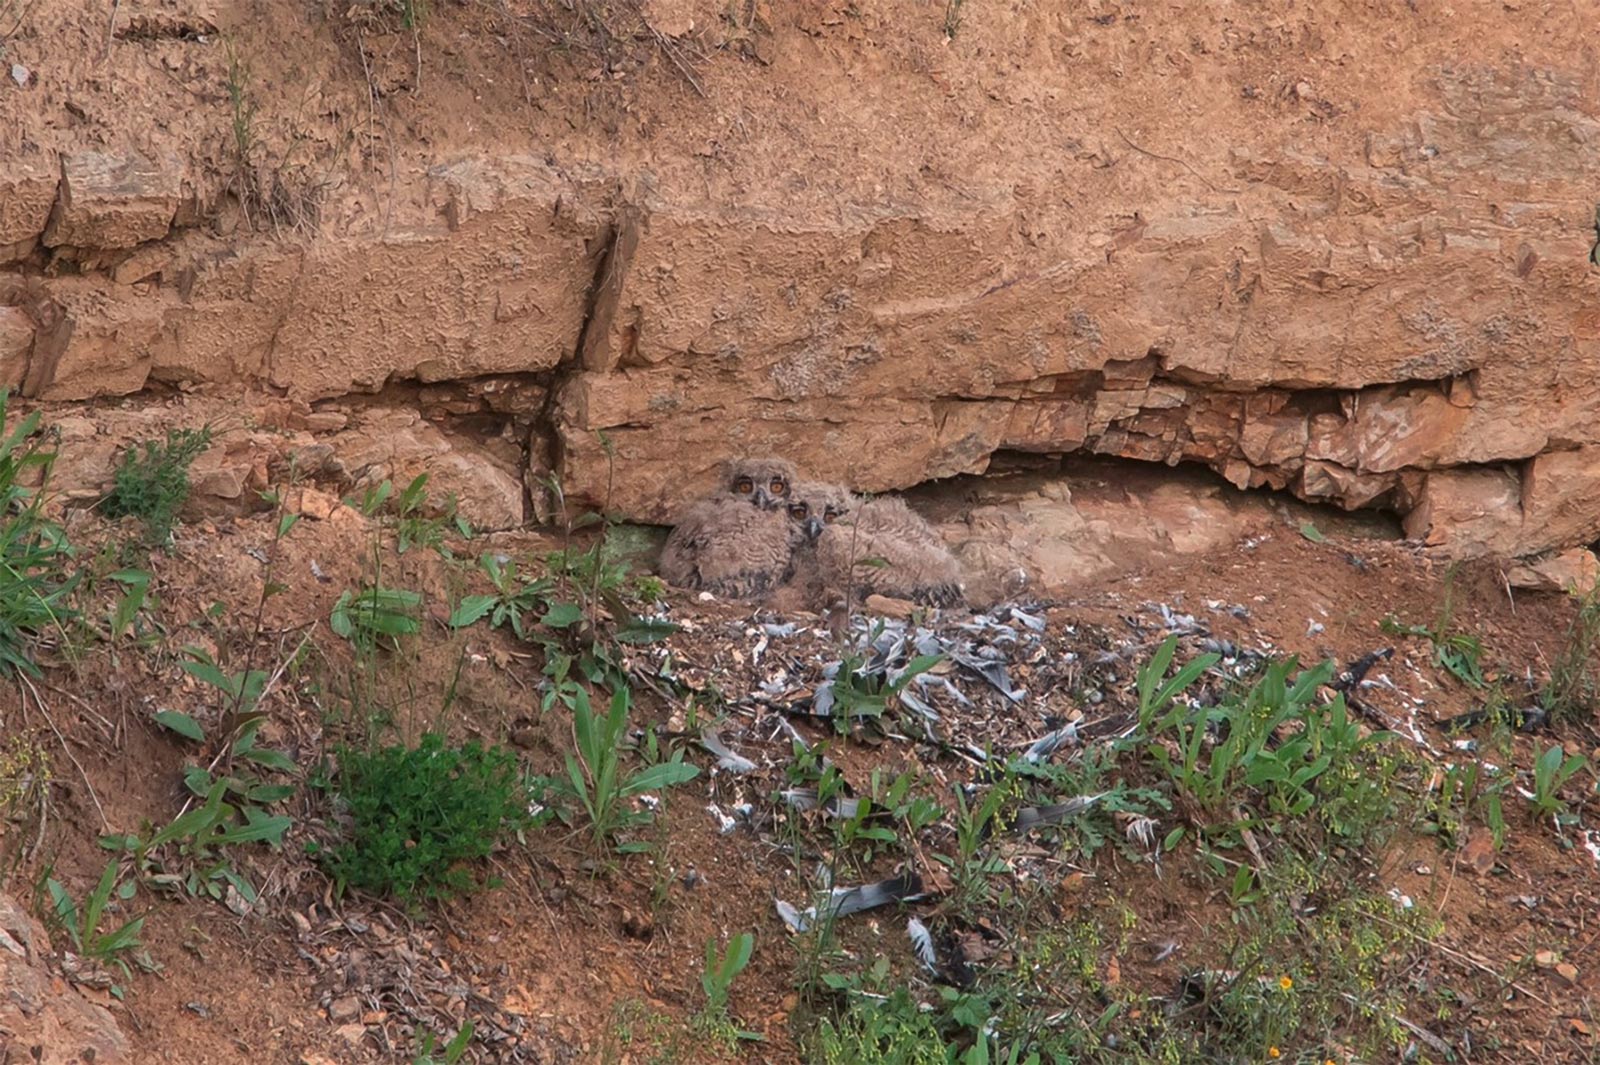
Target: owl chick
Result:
[[765, 482], [812, 507], [883, 547], [740, 542]]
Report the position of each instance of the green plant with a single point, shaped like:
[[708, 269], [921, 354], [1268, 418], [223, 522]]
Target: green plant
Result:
[[594, 772], [134, 598], [416, 525], [893, 1028], [419, 814], [451, 1052], [952, 17], [1462, 790], [1570, 692], [152, 482], [1278, 740], [859, 694], [376, 616], [513, 599], [1157, 691], [25, 776], [113, 946], [974, 825], [232, 792], [34, 551], [1551, 770], [1459, 653], [717, 978]]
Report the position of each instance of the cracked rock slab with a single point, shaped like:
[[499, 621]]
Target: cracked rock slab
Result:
[[114, 200]]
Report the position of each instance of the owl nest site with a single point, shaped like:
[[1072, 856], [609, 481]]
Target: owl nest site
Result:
[[770, 537], [340, 781]]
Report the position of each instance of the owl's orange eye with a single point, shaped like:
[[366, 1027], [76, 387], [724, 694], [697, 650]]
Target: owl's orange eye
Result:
[[778, 488], [744, 486], [830, 515], [799, 511]]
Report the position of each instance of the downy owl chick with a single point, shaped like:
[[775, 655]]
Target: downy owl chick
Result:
[[883, 547], [812, 507], [738, 543]]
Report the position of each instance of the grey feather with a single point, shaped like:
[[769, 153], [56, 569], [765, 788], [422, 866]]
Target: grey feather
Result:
[[726, 759]]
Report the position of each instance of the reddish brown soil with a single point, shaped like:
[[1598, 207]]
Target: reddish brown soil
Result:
[[565, 942]]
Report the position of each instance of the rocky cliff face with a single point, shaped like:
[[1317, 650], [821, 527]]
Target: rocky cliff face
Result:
[[1347, 255]]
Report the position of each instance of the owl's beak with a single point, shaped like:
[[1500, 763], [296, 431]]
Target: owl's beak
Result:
[[813, 528], [764, 500]]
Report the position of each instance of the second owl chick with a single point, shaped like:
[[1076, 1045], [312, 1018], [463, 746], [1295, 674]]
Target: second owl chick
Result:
[[878, 547]]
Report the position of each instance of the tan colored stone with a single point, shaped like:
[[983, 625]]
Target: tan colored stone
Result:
[[671, 18], [1468, 513], [399, 445], [16, 343], [313, 504], [27, 192], [888, 607], [114, 200], [1349, 489], [1574, 571], [1561, 500], [1394, 429], [503, 292], [41, 1018], [1273, 439], [1048, 425]]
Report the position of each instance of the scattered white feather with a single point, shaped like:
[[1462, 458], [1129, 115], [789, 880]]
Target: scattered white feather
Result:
[[922, 944]]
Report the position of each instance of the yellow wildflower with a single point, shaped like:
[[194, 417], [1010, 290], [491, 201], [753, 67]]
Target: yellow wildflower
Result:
[[1285, 982]]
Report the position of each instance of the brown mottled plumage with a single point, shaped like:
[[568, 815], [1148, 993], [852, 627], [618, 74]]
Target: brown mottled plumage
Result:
[[740, 542], [883, 547], [812, 507]]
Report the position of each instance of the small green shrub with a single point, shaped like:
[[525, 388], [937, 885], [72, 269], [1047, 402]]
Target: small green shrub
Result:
[[376, 616], [596, 778], [421, 814], [89, 930], [1570, 694], [34, 551], [152, 481]]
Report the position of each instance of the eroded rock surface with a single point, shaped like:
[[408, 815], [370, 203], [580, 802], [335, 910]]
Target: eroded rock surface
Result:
[[1351, 260], [41, 1018]]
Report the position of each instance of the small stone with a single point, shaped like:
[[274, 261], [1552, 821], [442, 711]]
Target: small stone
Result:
[[638, 925], [319, 506], [351, 1033], [1546, 959], [1478, 852], [326, 421], [345, 1008], [884, 606], [19, 74], [1568, 973]]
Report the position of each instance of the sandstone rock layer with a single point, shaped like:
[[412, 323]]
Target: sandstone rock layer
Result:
[[1369, 281]]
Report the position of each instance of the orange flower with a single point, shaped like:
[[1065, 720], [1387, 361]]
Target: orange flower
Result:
[[1285, 982], [1272, 1052]]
